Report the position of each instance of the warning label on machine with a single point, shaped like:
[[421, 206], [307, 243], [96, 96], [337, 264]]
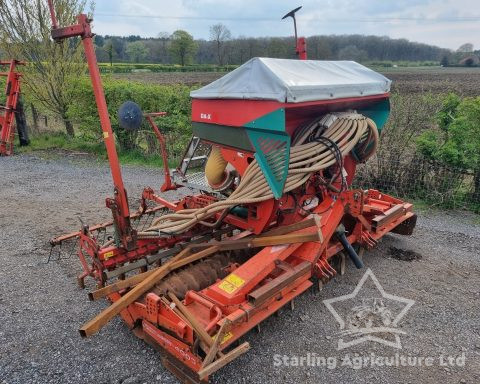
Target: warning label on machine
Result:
[[231, 283]]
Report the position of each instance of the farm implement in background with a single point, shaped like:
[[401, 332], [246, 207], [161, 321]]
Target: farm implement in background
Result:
[[300, 42], [8, 111], [273, 156]]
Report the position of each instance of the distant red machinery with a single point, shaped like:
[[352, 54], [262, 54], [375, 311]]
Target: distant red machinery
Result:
[[274, 154], [300, 42], [7, 112]]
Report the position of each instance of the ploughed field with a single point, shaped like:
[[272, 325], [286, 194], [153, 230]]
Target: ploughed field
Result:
[[464, 81]]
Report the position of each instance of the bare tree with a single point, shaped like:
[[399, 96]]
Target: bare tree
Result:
[[164, 38], [108, 46], [467, 47], [220, 34], [25, 35]]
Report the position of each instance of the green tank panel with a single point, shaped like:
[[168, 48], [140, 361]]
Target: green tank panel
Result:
[[272, 148], [378, 112]]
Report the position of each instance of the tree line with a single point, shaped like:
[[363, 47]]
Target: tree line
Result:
[[181, 48], [25, 35]]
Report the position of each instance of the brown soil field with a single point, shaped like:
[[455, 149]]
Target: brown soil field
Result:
[[464, 81]]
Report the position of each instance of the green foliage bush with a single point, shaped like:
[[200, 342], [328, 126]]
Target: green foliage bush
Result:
[[129, 68], [391, 64], [416, 160], [173, 99], [3, 98], [456, 142]]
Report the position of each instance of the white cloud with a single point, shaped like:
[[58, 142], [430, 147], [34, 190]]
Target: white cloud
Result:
[[437, 24]]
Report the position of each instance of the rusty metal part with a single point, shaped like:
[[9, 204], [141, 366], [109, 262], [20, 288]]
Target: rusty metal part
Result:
[[175, 366], [151, 259], [195, 277]]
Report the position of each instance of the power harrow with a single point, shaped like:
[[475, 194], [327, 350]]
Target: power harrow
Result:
[[7, 111], [273, 156]]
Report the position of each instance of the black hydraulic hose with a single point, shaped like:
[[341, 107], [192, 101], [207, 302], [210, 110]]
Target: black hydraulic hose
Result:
[[348, 247]]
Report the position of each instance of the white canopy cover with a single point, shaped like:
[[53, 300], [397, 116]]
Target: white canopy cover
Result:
[[295, 81]]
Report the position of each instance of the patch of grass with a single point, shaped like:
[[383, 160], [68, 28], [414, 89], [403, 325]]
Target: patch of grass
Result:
[[136, 157], [425, 205], [59, 141], [420, 205]]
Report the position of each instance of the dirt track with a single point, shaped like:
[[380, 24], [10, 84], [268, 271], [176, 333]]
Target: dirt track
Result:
[[41, 307]]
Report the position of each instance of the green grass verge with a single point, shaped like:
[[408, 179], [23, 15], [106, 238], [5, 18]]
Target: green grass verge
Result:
[[421, 205], [55, 140], [59, 141]]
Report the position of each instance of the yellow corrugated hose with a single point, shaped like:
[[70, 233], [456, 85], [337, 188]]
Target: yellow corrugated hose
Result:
[[215, 167]]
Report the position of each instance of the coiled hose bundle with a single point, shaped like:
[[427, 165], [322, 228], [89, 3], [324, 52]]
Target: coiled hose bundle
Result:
[[316, 146]]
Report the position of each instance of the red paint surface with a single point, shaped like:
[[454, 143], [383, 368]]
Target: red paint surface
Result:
[[237, 113]]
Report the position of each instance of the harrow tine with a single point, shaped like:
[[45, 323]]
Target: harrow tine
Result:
[[146, 222], [143, 224], [99, 233], [151, 218], [72, 249], [50, 254], [136, 222], [60, 251], [59, 254], [104, 230], [329, 268]]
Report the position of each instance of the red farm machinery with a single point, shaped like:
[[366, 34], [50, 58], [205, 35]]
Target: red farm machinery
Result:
[[7, 111], [273, 156]]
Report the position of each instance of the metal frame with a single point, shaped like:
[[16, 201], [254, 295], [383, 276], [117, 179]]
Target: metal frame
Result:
[[168, 185], [294, 248], [7, 114], [118, 204]]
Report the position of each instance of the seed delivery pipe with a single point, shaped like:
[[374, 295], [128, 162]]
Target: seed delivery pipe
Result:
[[305, 158], [215, 167]]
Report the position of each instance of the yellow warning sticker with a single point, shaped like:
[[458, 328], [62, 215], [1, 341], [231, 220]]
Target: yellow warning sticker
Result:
[[231, 283], [235, 280], [108, 255], [227, 287], [226, 337], [105, 135]]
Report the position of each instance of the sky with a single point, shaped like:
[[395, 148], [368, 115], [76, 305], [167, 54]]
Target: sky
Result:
[[445, 23]]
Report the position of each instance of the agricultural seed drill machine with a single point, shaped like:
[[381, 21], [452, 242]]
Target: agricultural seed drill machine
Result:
[[274, 151], [7, 111]]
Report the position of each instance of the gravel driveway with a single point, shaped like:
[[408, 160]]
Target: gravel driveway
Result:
[[41, 307]]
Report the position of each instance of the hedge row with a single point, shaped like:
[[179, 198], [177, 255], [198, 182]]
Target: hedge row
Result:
[[173, 99], [129, 68]]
